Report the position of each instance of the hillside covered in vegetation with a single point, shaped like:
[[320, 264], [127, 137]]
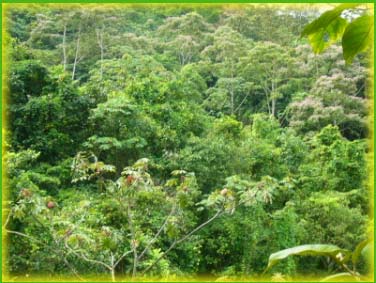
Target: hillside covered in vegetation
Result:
[[180, 141]]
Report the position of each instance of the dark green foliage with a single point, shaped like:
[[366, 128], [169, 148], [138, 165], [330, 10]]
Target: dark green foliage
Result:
[[57, 111], [129, 128], [27, 79]]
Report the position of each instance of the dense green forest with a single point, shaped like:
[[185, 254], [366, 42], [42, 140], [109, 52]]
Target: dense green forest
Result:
[[181, 141]]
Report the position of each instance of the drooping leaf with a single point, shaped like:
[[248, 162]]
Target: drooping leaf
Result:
[[359, 249], [366, 251], [357, 37], [315, 250], [326, 19], [323, 38], [340, 277]]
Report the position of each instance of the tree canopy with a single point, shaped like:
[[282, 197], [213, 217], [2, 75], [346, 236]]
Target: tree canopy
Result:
[[186, 141]]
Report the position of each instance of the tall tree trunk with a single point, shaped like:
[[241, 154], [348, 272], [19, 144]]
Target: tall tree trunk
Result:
[[232, 100], [273, 100], [133, 241], [113, 268], [101, 47], [65, 47], [77, 53], [232, 95]]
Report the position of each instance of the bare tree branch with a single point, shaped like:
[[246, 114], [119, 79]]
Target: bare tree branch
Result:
[[176, 242], [82, 256], [133, 242], [122, 256], [157, 234]]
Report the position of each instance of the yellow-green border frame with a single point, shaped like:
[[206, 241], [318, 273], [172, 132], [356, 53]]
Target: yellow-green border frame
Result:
[[9, 3]]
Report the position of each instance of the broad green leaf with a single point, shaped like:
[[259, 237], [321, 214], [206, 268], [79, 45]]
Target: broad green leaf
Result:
[[366, 251], [326, 19], [359, 250], [315, 250], [357, 37], [324, 37], [340, 277]]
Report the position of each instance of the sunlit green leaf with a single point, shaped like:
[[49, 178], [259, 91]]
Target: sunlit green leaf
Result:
[[315, 250], [357, 37], [366, 251], [328, 35], [340, 277], [356, 254], [326, 19]]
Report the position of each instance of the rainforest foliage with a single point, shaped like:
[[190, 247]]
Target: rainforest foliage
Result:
[[180, 141]]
